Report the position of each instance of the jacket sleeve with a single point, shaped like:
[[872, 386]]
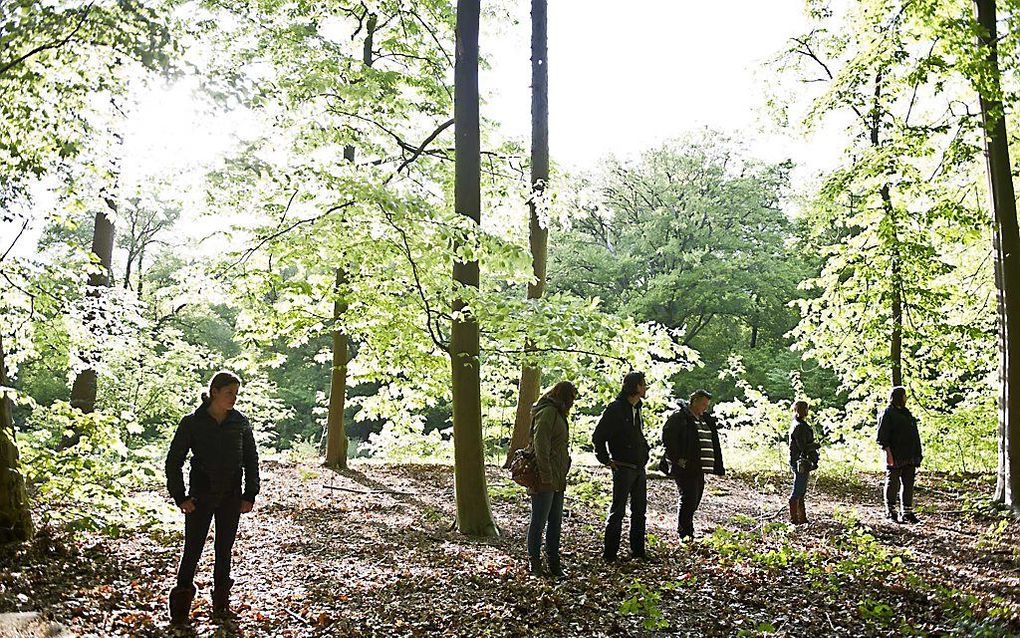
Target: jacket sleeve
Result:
[[798, 442], [179, 447], [252, 482], [671, 440], [885, 427], [602, 434], [541, 438]]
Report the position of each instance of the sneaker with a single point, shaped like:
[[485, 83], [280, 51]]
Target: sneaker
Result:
[[910, 518], [891, 516]]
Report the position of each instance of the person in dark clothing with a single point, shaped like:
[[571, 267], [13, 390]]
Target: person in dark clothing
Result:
[[223, 450], [898, 436], [691, 439], [803, 459], [550, 438], [620, 444]]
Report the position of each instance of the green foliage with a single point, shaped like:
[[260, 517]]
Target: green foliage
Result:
[[644, 602]]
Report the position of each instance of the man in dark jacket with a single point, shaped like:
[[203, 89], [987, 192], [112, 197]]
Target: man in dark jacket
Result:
[[898, 436], [620, 444], [691, 439]]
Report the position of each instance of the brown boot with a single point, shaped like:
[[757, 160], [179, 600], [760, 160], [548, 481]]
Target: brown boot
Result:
[[801, 511], [180, 604], [794, 511], [221, 599]]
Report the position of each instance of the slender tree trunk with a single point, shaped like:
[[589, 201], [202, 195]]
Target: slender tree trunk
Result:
[[83, 392], [336, 434], [531, 376], [895, 275], [1000, 306], [1003, 200], [474, 516], [15, 514], [754, 337]]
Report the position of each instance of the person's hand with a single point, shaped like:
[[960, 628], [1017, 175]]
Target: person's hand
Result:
[[188, 506], [246, 506], [612, 465], [889, 458]]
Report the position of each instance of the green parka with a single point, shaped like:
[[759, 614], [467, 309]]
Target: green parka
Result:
[[550, 438]]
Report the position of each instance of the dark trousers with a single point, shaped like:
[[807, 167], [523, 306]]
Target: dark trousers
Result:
[[800, 482], [546, 516], [899, 486], [226, 509], [690, 486], [629, 484]]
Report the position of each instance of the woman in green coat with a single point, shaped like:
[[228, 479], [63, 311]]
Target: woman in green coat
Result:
[[550, 438]]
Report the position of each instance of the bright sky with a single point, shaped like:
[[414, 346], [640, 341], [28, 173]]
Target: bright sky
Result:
[[623, 77]]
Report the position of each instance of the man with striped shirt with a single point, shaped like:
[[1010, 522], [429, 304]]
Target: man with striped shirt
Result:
[[691, 439]]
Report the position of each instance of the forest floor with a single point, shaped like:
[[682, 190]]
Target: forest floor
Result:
[[311, 561]]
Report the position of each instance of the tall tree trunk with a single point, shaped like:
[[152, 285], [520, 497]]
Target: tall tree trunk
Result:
[[83, 392], [336, 434], [1000, 307], [474, 515], [15, 515], [531, 376], [896, 282], [1003, 200]]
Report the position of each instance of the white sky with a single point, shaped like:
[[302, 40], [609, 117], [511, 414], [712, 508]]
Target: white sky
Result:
[[623, 77]]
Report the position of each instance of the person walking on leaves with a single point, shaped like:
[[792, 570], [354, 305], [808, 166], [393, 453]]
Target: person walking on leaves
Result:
[[550, 437], [691, 438], [803, 460], [898, 436], [620, 444], [223, 450]]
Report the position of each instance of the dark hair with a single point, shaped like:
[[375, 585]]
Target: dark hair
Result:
[[631, 381], [800, 404], [898, 395], [221, 379], [565, 392], [700, 394]]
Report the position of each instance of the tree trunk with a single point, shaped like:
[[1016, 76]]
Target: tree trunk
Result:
[[531, 376], [474, 516], [336, 434], [1003, 201], [15, 515], [83, 392]]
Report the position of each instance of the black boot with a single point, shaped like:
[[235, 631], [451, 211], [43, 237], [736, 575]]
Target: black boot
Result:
[[180, 604], [221, 599], [535, 566], [555, 568]]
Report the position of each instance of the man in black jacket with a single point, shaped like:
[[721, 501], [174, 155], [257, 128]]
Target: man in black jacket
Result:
[[620, 444], [691, 439], [898, 436]]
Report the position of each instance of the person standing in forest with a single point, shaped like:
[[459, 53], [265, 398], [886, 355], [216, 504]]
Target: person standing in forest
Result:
[[620, 444], [691, 438], [223, 450], [550, 436], [803, 460], [899, 438]]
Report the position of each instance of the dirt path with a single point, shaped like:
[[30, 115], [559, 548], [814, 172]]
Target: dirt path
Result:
[[317, 562]]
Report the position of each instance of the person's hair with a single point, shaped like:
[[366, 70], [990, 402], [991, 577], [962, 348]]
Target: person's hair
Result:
[[700, 394], [631, 381], [565, 392], [800, 404], [898, 395], [221, 379]]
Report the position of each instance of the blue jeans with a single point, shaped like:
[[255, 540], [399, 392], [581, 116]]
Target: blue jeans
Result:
[[800, 480], [546, 516]]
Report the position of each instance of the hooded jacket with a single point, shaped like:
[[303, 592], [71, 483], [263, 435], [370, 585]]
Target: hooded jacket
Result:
[[221, 453], [550, 437]]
